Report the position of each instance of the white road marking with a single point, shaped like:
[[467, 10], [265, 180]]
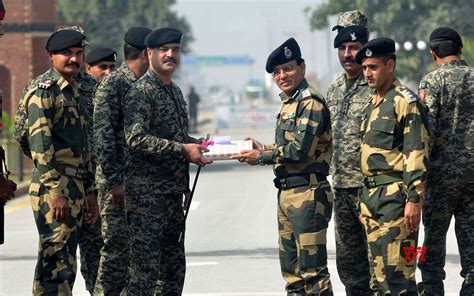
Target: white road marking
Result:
[[194, 205]]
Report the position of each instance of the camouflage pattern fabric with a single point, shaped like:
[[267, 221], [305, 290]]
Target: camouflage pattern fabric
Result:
[[303, 146], [109, 148], [303, 217], [352, 256], [303, 139], [448, 95], [56, 120], [395, 141], [20, 133], [345, 103], [157, 175], [90, 238], [346, 100], [353, 17]]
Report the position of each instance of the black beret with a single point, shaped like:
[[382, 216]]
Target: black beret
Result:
[[64, 39], [351, 34], [136, 37], [443, 34], [162, 36], [288, 51], [99, 54], [378, 47]]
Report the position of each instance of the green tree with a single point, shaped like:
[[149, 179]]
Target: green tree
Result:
[[404, 20], [106, 21]]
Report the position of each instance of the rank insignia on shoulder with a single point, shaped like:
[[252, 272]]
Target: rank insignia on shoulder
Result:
[[410, 95], [306, 93], [423, 84], [46, 84]]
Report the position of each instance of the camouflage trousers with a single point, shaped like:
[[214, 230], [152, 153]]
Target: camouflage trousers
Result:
[[56, 267], [445, 199], [90, 243], [303, 217], [352, 258], [157, 259], [114, 255], [382, 209]]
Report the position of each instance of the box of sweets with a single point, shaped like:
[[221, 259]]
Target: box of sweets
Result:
[[222, 148]]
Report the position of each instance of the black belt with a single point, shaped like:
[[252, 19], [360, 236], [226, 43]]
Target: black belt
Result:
[[70, 171], [374, 181], [297, 181]]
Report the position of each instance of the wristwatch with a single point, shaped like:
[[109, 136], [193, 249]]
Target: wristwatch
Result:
[[260, 159]]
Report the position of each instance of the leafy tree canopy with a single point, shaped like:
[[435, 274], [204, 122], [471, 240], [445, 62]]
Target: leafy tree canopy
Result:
[[406, 20], [106, 21]]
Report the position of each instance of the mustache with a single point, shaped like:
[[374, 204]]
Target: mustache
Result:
[[169, 59], [348, 59], [73, 64]]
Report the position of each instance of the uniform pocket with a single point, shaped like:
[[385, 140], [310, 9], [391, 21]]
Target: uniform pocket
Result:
[[381, 133], [401, 252]]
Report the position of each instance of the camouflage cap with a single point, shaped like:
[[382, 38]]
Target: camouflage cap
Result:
[[77, 29], [349, 18]]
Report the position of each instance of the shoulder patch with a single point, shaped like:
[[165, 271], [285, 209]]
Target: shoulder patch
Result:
[[408, 93], [423, 84], [46, 84], [306, 93]]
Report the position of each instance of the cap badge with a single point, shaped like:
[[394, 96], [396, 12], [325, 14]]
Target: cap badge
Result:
[[353, 36], [368, 53], [288, 53]]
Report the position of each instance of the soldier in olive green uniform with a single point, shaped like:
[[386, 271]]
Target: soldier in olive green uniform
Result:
[[394, 155], [448, 93], [301, 156], [109, 150], [346, 98], [62, 175], [159, 151]]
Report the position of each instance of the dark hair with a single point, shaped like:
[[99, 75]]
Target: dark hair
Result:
[[299, 61], [444, 48], [389, 57], [130, 52]]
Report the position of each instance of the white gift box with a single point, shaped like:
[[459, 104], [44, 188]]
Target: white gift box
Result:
[[225, 151]]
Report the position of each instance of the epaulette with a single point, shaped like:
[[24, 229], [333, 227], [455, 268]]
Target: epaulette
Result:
[[46, 84], [423, 84], [306, 93], [408, 93]]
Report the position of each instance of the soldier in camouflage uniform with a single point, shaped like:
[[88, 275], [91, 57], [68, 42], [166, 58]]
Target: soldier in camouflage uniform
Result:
[[90, 238], [159, 151], [346, 98], [100, 61], [109, 150], [448, 94], [62, 175], [301, 156], [394, 156]]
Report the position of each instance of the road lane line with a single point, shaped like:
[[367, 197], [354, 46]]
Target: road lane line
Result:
[[10, 208]]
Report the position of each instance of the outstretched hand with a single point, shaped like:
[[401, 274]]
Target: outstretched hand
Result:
[[248, 156], [193, 153]]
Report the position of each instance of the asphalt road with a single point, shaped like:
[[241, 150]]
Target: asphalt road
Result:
[[231, 243]]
